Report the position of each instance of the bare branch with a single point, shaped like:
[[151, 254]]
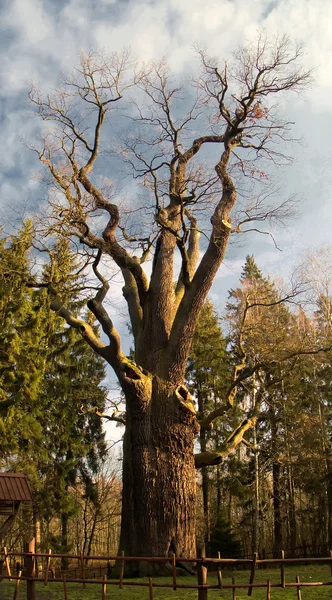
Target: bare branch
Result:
[[215, 457]]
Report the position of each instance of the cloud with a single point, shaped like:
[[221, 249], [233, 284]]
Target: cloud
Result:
[[42, 38]]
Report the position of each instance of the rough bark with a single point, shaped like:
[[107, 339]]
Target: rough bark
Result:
[[205, 475], [159, 482]]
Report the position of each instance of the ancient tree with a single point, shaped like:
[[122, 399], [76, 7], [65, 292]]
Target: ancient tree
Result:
[[186, 149]]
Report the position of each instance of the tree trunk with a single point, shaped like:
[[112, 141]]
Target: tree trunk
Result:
[[64, 540], [218, 489], [277, 523], [37, 536], [159, 479], [205, 473], [276, 483], [206, 502], [255, 536], [292, 510], [328, 473], [92, 533], [328, 463]]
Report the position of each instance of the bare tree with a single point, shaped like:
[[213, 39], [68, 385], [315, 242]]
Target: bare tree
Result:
[[194, 148]]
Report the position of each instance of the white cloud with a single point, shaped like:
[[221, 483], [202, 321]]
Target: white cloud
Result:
[[48, 36]]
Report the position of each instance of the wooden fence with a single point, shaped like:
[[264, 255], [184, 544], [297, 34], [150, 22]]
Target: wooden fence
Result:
[[48, 574]]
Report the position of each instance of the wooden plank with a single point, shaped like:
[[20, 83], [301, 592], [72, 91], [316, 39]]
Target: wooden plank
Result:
[[252, 574], [298, 589], [219, 574], [103, 593], [233, 589], [48, 564], [7, 508], [150, 589], [268, 590], [17, 584], [282, 569], [30, 568], [201, 573], [7, 562], [8, 522]]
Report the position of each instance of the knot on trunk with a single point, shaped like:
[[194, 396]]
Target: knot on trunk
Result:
[[185, 398], [130, 373]]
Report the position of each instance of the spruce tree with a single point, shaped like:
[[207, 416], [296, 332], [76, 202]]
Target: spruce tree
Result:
[[263, 329], [22, 357], [50, 383], [208, 376], [74, 443]]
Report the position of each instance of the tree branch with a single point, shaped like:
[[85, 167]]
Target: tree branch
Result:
[[216, 457], [113, 417]]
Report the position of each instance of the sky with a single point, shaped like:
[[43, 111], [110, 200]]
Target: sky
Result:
[[40, 39]]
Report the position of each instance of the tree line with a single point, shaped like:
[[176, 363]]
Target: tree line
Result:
[[273, 491], [50, 382]]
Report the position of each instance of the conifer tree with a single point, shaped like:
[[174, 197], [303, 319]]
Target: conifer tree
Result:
[[74, 442], [263, 330], [22, 357], [50, 382], [208, 376]]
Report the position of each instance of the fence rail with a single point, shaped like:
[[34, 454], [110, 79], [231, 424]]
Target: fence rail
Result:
[[31, 577]]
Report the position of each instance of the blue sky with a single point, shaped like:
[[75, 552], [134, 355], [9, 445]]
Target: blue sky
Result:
[[41, 38]]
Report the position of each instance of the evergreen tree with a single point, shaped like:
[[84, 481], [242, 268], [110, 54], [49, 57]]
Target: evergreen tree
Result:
[[263, 329], [22, 357], [74, 439], [50, 381], [208, 375], [250, 271]]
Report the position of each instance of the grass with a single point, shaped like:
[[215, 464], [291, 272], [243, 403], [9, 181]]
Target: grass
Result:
[[76, 591]]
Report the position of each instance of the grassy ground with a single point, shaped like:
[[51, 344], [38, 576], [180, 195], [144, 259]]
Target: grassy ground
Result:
[[54, 591]]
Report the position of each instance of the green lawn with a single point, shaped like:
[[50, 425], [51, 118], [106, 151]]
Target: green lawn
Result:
[[54, 591]]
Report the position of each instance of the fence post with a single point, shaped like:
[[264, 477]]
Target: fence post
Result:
[[48, 564], [252, 574], [282, 569], [201, 573], [7, 563], [30, 568]]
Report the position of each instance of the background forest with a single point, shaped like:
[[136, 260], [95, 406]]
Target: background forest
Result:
[[273, 492]]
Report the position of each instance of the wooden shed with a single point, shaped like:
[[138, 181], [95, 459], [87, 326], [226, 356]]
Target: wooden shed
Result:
[[14, 489]]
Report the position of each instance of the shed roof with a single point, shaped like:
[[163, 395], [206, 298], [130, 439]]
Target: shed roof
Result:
[[14, 487]]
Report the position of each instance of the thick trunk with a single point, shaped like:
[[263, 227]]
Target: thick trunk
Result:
[[159, 480]]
